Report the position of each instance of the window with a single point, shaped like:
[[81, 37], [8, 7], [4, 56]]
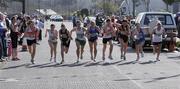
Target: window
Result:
[[165, 19], [169, 20]]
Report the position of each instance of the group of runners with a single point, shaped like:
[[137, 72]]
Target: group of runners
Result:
[[109, 31]]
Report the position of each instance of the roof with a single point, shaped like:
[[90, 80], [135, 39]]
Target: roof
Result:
[[46, 11], [155, 13]]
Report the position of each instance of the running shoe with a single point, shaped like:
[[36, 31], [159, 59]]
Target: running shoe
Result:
[[50, 59], [110, 57], [55, 60], [137, 59], [77, 61], [142, 54], [81, 57], [92, 58], [32, 61], [17, 59], [103, 58], [14, 59], [62, 62], [157, 59], [124, 57], [1, 60], [121, 56]]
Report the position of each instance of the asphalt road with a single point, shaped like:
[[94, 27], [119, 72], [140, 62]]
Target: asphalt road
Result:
[[116, 74]]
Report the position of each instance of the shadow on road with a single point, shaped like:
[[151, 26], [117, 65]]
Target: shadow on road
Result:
[[92, 64], [86, 64], [176, 57], [148, 62], [126, 79], [162, 78], [37, 66], [71, 65], [14, 67], [126, 63], [112, 63]]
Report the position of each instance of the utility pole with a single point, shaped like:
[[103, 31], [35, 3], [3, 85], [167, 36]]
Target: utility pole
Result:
[[39, 6], [147, 5], [23, 6], [134, 8]]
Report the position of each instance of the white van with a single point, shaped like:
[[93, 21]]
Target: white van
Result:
[[148, 21]]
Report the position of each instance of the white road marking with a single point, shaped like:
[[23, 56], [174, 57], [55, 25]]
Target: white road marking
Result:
[[131, 79], [9, 80]]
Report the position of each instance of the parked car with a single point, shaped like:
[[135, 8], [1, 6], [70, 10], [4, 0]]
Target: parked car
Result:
[[56, 18], [148, 21]]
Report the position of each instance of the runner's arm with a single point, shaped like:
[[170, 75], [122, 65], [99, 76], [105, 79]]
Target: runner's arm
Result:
[[164, 33], [46, 32], [128, 30], [98, 29], [56, 34], [87, 31], [59, 34], [69, 35], [74, 29], [36, 34], [113, 31]]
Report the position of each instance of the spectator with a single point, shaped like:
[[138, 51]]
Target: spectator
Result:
[[14, 37], [86, 21], [146, 21], [99, 21], [74, 20], [3, 52]]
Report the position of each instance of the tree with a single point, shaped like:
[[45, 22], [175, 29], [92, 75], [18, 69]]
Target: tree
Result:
[[168, 2], [136, 3], [108, 7], [3, 4], [146, 2], [23, 5], [84, 12], [22, 1]]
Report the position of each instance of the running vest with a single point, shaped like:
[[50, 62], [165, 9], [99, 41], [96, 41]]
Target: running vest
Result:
[[52, 36], [157, 35], [107, 35], [31, 37], [93, 32], [140, 35], [64, 34], [123, 30], [80, 34]]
